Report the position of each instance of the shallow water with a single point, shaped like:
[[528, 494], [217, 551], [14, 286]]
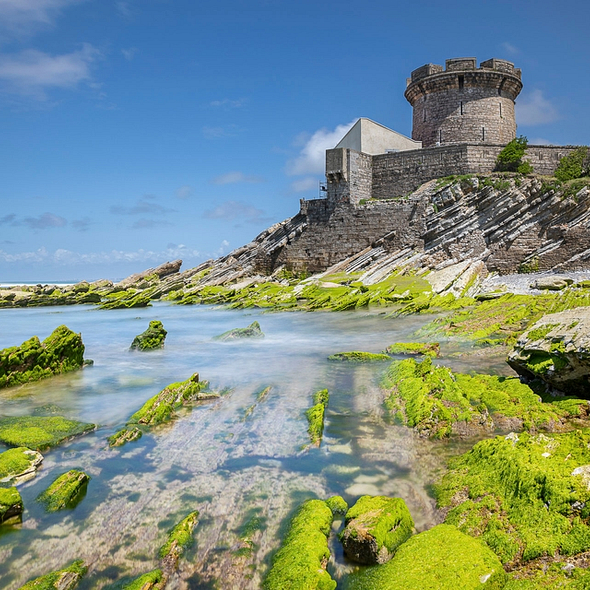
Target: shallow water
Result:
[[214, 458]]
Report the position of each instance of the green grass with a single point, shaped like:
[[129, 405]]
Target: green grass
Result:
[[63, 492], [40, 432], [301, 561], [51, 581]]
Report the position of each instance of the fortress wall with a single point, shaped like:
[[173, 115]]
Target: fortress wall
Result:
[[545, 158]]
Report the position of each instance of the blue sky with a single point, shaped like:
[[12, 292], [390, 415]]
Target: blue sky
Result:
[[139, 131]]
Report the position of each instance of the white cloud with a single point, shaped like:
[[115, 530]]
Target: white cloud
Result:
[[509, 48], [45, 221], [18, 17], [31, 72], [129, 53], [311, 158], [228, 103], [534, 109], [541, 141], [185, 191], [239, 210], [236, 177], [305, 184]]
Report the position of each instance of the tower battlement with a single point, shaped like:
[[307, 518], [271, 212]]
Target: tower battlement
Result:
[[463, 103]]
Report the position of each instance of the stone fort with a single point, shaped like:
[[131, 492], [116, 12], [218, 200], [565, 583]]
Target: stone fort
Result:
[[463, 116]]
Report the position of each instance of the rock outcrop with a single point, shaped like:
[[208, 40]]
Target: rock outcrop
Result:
[[65, 579], [11, 505], [19, 465], [64, 491], [557, 350], [152, 339], [251, 331]]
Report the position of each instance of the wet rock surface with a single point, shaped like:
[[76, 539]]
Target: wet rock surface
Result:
[[64, 491], [251, 331]]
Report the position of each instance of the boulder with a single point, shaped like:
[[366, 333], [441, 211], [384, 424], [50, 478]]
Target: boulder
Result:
[[11, 505], [556, 349], [553, 283], [356, 356], [65, 579], [375, 527], [152, 338], [251, 331], [19, 465], [64, 491]]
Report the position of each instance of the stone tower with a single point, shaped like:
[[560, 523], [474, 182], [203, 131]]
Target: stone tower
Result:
[[464, 103]]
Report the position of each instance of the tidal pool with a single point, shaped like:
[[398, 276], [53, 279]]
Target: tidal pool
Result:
[[242, 464]]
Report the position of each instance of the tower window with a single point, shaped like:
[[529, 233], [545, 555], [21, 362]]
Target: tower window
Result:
[[500, 110], [461, 107], [440, 135], [461, 82], [483, 133], [424, 114]]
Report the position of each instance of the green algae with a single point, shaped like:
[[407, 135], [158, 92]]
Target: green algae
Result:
[[64, 579], [64, 491], [251, 331], [359, 357], [126, 300], [40, 432], [147, 581], [179, 538], [62, 351], [375, 527], [525, 495], [414, 348], [337, 504], [124, 436], [15, 462], [300, 563], [260, 397], [441, 558], [11, 504], [315, 416], [153, 338], [437, 401]]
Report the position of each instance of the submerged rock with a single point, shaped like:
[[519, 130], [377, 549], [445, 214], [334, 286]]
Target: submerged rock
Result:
[[19, 465], [359, 357], [124, 436], [251, 331], [303, 557], [315, 416], [60, 352], [441, 558], [375, 527], [180, 537], [66, 579], [557, 350], [337, 504], [64, 491], [151, 581], [414, 348], [151, 339], [40, 432], [11, 505]]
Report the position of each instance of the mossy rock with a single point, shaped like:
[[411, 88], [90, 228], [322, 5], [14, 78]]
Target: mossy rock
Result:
[[64, 491], [251, 331], [438, 402], [149, 581], [180, 537], [124, 300], [65, 579], [11, 505], [62, 351], [414, 348], [315, 416], [300, 563], [40, 432], [442, 558], [152, 339], [124, 436], [375, 527], [337, 504], [356, 356], [526, 495], [19, 464]]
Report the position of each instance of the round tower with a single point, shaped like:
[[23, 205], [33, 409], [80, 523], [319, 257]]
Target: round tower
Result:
[[464, 103]]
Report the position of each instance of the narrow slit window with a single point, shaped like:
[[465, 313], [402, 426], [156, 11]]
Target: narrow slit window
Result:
[[461, 107], [424, 114], [440, 135], [483, 133], [500, 110], [461, 82]]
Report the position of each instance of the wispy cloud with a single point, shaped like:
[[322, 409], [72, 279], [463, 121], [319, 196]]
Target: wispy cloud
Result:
[[305, 184], [184, 192], [534, 109], [33, 72], [124, 8], [144, 206], [228, 103], [232, 210], [129, 53], [82, 224], [149, 223], [510, 49], [23, 17], [221, 131], [45, 221], [236, 177], [311, 158], [8, 219]]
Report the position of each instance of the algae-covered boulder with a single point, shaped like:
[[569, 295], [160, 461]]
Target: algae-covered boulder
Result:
[[356, 356], [337, 504], [19, 465], [125, 435], [65, 579], [414, 348], [526, 495], [180, 537], [251, 331], [40, 432], [315, 416], [60, 352], [151, 339], [150, 581], [64, 491], [375, 527], [300, 563], [557, 350], [11, 504], [125, 300], [441, 558], [439, 402]]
